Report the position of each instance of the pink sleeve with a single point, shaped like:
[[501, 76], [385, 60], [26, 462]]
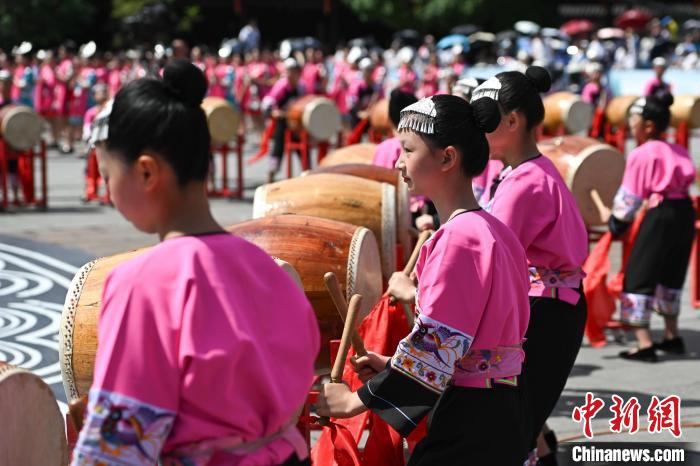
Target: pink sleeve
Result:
[[635, 185], [513, 205], [587, 93], [273, 97], [649, 85]]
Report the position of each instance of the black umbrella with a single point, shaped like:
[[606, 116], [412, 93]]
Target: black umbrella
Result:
[[409, 37], [465, 29]]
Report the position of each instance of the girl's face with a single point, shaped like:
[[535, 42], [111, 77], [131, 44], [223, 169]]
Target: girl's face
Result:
[[640, 129], [420, 165], [511, 125]]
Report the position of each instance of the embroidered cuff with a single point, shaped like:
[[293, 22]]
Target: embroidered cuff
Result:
[[636, 309], [625, 205], [430, 352], [667, 300], [121, 430]]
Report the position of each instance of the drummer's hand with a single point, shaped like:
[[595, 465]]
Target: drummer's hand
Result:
[[425, 222], [369, 365], [336, 400], [402, 287]]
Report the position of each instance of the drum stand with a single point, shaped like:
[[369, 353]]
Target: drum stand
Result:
[[683, 135], [598, 124], [303, 144], [616, 136], [25, 171], [223, 151], [93, 180]]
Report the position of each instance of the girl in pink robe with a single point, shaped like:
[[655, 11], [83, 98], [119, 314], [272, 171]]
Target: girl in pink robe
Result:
[[206, 347], [661, 174], [464, 353], [533, 200]]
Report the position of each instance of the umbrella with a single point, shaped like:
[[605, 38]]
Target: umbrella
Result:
[[528, 28], [312, 43], [553, 33], [691, 24], [481, 39], [611, 33], [450, 41], [465, 29], [576, 27], [362, 42], [506, 35], [409, 37], [635, 19]]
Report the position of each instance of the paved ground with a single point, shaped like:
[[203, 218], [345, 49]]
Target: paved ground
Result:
[[53, 244]]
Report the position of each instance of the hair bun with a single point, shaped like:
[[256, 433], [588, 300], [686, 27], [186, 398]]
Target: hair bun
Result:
[[539, 77], [665, 99], [486, 114], [186, 82]]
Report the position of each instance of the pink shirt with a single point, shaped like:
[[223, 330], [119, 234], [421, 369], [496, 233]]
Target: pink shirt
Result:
[[200, 338], [472, 301], [592, 93], [45, 89], [655, 170], [482, 184], [534, 201], [88, 119], [654, 83], [407, 80], [430, 81], [312, 75], [387, 153]]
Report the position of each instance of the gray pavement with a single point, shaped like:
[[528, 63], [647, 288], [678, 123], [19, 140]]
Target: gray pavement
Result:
[[96, 230]]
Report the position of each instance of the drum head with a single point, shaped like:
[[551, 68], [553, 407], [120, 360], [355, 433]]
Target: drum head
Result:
[[389, 218], [33, 432], [403, 211], [21, 128], [577, 115], [364, 273], [321, 119], [287, 267]]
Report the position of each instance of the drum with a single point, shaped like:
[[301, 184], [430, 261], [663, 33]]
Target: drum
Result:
[[222, 119], [379, 117], [314, 246], [33, 430], [618, 109], [569, 109], [344, 198], [586, 164], [78, 333], [354, 153], [685, 108], [318, 115], [20, 126], [383, 175]]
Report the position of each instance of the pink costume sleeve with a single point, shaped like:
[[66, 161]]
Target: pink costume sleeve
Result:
[[589, 90], [272, 99]]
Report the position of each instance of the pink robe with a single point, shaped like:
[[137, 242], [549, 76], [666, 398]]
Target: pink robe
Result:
[[656, 170], [387, 153], [430, 81], [45, 88], [62, 92], [536, 204], [312, 76], [407, 80], [482, 184], [200, 338]]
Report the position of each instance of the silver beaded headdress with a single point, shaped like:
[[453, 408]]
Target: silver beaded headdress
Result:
[[638, 106], [99, 131], [489, 88], [419, 117]]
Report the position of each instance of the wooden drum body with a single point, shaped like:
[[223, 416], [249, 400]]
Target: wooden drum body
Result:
[[383, 175], [354, 153], [20, 126], [338, 197], [586, 164], [379, 117], [33, 432], [617, 111], [314, 246], [318, 115], [222, 119], [685, 108], [569, 109]]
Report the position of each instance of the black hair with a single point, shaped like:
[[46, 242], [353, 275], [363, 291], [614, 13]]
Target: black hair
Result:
[[464, 126], [657, 109], [398, 100], [164, 117], [521, 92]]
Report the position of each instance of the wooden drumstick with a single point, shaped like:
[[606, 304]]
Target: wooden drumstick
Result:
[[333, 287], [411, 264], [339, 364], [76, 409], [602, 208]]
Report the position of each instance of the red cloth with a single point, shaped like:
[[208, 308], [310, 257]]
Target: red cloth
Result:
[[358, 131], [265, 142]]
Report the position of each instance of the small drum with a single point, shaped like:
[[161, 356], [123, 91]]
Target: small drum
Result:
[[685, 108], [314, 246], [318, 115], [379, 117], [33, 430], [618, 109], [20, 126], [383, 175], [222, 119], [344, 198], [586, 164], [354, 153], [78, 333], [569, 109]]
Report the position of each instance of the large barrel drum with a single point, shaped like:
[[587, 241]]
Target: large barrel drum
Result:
[[33, 432], [586, 164], [379, 117], [318, 115], [383, 175], [20, 126], [686, 108], [314, 246], [354, 153], [78, 333], [569, 109], [344, 198], [222, 119], [618, 109]]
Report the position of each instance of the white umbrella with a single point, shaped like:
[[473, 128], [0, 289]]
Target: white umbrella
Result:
[[528, 28]]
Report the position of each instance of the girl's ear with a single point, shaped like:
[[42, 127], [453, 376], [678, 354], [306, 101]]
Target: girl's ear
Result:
[[148, 170], [449, 158]]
